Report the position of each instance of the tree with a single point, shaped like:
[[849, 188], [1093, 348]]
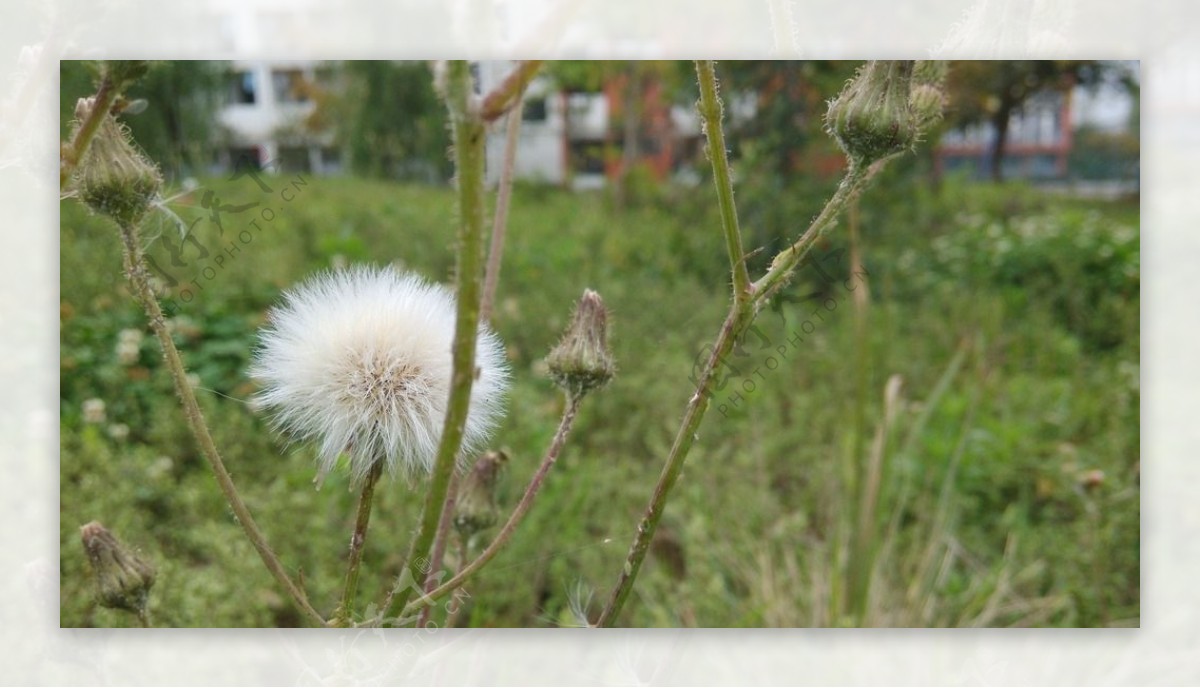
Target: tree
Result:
[[991, 91], [789, 109], [391, 119], [633, 79]]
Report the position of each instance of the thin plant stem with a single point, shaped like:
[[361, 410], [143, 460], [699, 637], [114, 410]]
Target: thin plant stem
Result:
[[469, 139], [358, 541], [509, 92], [500, 218], [787, 259], [738, 319], [491, 277], [514, 519], [72, 152], [858, 567], [135, 270], [741, 315], [711, 112], [439, 542], [464, 547]]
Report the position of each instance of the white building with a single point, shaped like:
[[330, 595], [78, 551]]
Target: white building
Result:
[[264, 118]]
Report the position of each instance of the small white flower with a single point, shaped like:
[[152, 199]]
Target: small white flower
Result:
[[359, 360], [128, 352], [93, 411], [119, 432]]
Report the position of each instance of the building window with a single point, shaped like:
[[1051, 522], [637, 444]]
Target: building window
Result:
[[331, 160], [242, 88], [294, 159], [289, 86], [245, 157], [587, 157], [534, 110]]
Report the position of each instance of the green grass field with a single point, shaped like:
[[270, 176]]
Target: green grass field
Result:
[[1010, 317]]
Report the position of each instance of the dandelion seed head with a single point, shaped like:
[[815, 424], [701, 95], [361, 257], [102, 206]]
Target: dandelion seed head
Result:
[[359, 361]]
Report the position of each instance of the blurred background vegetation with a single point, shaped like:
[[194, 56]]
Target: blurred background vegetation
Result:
[[1003, 490]]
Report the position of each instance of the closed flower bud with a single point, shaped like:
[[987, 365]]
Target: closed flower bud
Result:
[[929, 73], [122, 73], [926, 102], [123, 579], [582, 362], [476, 507], [114, 178], [871, 118]]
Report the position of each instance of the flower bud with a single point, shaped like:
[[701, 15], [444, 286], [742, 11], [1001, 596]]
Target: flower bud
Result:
[[929, 73], [582, 362], [926, 102], [476, 509], [123, 579], [871, 118], [114, 178], [122, 73]]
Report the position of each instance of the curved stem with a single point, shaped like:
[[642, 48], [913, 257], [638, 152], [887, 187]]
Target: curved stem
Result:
[[514, 519], [508, 93], [747, 302], [500, 218], [469, 159], [740, 316], [357, 542], [787, 259], [135, 270], [710, 112]]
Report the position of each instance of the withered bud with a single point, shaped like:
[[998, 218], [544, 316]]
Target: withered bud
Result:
[[582, 361], [114, 178], [476, 509], [871, 118], [123, 579]]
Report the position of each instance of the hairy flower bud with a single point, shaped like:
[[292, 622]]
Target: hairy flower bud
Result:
[[114, 178], [582, 362], [123, 579], [929, 73], [928, 97], [926, 102], [871, 118], [122, 73], [476, 509]]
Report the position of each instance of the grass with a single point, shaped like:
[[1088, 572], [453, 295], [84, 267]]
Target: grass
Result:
[[1013, 389]]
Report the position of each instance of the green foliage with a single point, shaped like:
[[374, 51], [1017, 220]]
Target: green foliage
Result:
[[1104, 155], [752, 534], [392, 121], [1082, 267]]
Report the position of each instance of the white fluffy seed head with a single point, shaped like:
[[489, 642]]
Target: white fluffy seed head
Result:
[[359, 361]]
